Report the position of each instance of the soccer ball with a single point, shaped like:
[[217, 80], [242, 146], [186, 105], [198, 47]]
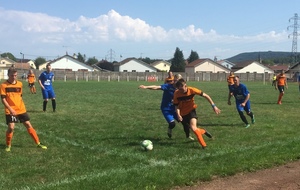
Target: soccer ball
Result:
[[146, 145]]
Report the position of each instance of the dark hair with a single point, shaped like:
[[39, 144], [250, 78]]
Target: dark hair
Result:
[[11, 70]]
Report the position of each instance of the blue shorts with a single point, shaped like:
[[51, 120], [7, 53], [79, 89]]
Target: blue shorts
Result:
[[241, 108], [48, 94], [170, 115]]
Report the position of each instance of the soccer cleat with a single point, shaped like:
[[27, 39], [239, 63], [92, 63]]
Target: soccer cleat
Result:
[[247, 126], [169, 133], [207, 134], [191, 138], [7, 149], [253, 119], [41, 146]]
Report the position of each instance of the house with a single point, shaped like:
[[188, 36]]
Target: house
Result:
[[67, 63], [5, 64], [251, 67], [226, 63], [205, 65], [279, 68], [133, 65], [161, 65]]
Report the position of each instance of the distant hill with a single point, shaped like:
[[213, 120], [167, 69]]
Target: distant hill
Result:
[[277, 57]]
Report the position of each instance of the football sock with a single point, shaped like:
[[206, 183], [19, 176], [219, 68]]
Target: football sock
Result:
[[186, 128], [199, 132], [250, 114], [54, 106], [33, 134], [45, 105], [9, 137], [242, 116], [280, 97]]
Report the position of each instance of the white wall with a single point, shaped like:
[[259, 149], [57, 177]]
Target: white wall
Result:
[[255, 67], [133, 65], [67, 63]]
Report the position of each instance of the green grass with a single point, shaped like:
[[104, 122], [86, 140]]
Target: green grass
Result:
[[93, 138]]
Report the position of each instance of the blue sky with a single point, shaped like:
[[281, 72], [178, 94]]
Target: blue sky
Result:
[[135, 28]]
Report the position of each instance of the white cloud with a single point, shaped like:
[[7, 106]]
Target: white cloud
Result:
[[41, 30]]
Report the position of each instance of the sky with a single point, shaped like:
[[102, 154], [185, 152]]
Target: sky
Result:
[[119, 29]]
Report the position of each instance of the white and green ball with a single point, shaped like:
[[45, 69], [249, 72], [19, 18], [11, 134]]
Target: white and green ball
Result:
[[146, 145]]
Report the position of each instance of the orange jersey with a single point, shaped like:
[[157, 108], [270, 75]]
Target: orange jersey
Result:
[[281, 79], [185, 101], [13, 95], [31, 78], [230, 79], [169, 79]]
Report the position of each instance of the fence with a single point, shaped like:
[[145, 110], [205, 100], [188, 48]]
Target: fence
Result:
[[154, 76]]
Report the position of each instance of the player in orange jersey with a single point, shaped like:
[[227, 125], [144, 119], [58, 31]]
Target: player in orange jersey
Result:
[[11, 96], [281, 82], [186, 108], [31, 79], [230, 78], [170, 78]]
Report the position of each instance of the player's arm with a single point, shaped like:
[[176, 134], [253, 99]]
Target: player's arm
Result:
[[230, 94], [208, 98], [178, 113], [5, 103], [246, 100], [151, 87]]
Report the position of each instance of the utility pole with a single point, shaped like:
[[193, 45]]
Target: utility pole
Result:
[[295, 34], [111, 55]]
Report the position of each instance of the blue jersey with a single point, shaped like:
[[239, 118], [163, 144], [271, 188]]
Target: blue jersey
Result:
[[240, 93], [167, 99], [46, 79]]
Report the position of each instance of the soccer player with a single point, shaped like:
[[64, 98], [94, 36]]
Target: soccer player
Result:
[[242, 100], [230, 80], [167, 107], [11, 96], [186, 108], [274, 80], [170, 78], [31, 80], [45, 81], [281, 82]]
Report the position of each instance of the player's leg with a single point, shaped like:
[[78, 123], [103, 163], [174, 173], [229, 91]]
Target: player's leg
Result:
[[168, 115], [10, 131], [249, 112], [52, 97]]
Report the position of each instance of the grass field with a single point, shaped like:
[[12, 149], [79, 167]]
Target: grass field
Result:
[[93, 138]]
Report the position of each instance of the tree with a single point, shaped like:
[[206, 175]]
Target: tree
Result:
[[39, 61], [81, 58], [178, 62], [92, 61], [193, 56], [9, 55]]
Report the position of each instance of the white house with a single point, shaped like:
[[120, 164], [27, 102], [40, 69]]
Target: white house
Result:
[[68, 63], [133, 65], [251, 67], [205, 65], [161, 65]]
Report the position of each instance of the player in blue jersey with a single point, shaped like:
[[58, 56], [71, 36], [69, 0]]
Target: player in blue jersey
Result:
[[242, 99], [167, 107], [45, 81]]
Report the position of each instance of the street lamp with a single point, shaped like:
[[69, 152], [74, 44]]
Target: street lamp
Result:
[[22, 60]]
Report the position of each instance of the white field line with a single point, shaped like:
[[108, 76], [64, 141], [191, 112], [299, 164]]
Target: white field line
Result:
[[151, 164]]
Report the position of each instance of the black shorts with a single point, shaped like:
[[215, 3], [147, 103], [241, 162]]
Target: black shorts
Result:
[[187, 118], [280, 88], [30, 84], [16, 119]]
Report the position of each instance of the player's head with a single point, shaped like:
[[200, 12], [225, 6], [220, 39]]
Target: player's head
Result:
[[236, 80], [181, 85], [12, 74], [48, 67], [177, 77]]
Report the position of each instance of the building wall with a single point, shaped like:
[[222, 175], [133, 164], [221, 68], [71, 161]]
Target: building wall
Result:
[[68, 64], [162, 66], [254, 67], [133, 66]]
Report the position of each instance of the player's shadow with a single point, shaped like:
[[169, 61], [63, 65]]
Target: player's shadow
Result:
[[218, 124]]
